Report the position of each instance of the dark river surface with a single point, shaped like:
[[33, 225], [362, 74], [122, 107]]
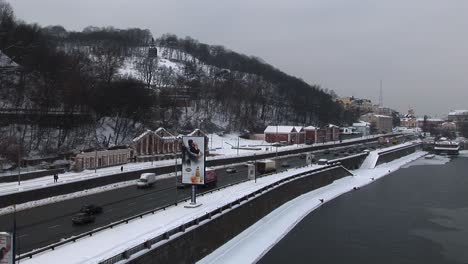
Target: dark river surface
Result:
[[418, 214]]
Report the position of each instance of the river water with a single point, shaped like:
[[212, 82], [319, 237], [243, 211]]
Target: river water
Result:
[[418, 214]]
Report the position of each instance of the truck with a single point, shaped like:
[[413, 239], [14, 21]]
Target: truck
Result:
[[211, 179], [265, 166], [146, 180]]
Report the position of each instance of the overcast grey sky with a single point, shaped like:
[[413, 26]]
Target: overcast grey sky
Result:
[[419, 48]]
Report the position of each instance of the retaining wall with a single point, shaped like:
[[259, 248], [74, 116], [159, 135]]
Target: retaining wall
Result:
[[201, 241], [391, 155]]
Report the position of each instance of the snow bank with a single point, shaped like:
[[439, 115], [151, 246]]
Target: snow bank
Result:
[[254, 242]]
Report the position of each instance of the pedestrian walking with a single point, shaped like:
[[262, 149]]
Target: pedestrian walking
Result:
[[55, 177], [121, 168]]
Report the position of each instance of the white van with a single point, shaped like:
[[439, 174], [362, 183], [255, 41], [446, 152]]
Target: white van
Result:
[[146, 180]]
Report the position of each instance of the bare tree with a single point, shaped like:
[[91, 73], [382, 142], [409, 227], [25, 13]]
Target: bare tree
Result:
[[108, 59], [147, 69]]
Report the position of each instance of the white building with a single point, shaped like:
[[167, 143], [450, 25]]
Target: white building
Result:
[[362, 127]]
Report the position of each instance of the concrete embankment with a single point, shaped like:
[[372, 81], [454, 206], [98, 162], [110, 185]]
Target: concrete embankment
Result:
[[199, 242]]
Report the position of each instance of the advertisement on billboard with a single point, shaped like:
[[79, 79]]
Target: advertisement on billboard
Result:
[[6, 248], [193, 160]]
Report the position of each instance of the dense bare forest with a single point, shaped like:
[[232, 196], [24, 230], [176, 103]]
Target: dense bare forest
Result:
[[102, 86]]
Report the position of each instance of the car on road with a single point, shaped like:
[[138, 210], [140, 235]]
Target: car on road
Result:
[[336, 154], [83, 218], [231, 170], [146, 180], [285, 164], [302, 156], [322, 162], [91, 209], [249, 163], [326, 152]]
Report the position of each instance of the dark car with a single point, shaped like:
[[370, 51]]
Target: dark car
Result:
[[231, 170], [91, 209], [83, 218], [326, 152]]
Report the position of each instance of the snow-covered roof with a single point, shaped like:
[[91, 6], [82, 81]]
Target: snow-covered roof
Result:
[[384, 116], [431, 119], [162, 132], [310, 128], [361, 124], [6, 61], [197, 132], [280, 129], [299, 128], [458, 112], [142, 135], [332, 126]]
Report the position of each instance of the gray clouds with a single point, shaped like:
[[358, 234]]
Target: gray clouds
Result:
[[417, 47]]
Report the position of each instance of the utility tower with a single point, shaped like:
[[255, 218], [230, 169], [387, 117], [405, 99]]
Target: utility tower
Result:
[[381, 95]]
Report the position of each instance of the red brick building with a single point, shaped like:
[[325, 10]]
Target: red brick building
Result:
[[158, 142], [310, 134], [289, 134], [332, 133]]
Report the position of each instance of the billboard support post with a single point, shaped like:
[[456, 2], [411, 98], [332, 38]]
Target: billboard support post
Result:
[[194, 149], [193, 199]]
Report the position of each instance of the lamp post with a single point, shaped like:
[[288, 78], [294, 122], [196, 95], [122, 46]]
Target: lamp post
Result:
[[237, 145], [276, 140], [19, 164]]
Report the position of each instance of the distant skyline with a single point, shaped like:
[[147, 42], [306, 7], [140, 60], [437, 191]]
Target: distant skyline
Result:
[[417, 48]]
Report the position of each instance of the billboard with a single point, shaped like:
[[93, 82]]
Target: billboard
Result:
[[6, 248], [193, 160]]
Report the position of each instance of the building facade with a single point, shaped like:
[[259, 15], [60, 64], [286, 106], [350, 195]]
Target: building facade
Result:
[[102, 158], [380, 123], [156, 143], [362, 127]]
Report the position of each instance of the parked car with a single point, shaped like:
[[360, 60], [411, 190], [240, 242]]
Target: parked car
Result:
[[302, 156], [91, 209], [285, 164], [231, 170], [336, 154], [83, 218], [326, 152]]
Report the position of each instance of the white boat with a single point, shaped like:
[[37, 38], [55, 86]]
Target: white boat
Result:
[[448, 147], [429, 156]]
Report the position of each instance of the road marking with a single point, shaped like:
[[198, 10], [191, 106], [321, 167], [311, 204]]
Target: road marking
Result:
[[25, 235], [55, 226]]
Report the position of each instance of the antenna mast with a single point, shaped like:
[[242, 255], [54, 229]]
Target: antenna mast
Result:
[[381, 95]]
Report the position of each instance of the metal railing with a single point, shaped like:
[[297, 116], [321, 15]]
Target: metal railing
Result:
[[167, 234], [180, 229]]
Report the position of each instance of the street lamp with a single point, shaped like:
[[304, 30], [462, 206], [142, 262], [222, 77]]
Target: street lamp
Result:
[[237, 145], [276, 139]]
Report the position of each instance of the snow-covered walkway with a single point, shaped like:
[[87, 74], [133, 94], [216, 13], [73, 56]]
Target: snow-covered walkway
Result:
[[254, 242]]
